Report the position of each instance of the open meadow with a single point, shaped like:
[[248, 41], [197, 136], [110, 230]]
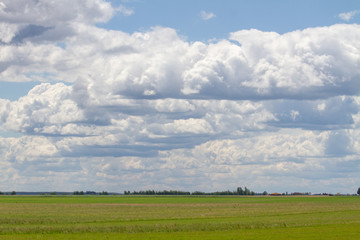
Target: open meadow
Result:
[[179, 217]]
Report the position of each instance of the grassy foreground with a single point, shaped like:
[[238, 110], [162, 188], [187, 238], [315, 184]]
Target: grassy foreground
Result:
[[184, 217]]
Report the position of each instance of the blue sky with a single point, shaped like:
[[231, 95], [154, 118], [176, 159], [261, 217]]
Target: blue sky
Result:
[[185, 95], [280, 16]]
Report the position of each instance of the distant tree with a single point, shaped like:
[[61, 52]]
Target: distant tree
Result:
[[78, 193], [198, 193], [265, 193], [358, 191], [13, 193], [247, 191], [240, 191], [90, 193]]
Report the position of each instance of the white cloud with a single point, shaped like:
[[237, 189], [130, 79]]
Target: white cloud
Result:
[[45, 105], [158, 63], [347, 16], [206, 15], [125, 10], [166, 112], [47, 13], [53, 21]]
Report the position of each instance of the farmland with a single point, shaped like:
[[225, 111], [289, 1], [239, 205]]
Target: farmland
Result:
[[179, 217]]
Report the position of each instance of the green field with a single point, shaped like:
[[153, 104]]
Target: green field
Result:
[[183, 217]]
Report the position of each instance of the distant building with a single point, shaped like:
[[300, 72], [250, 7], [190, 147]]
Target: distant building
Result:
[[275, 194]]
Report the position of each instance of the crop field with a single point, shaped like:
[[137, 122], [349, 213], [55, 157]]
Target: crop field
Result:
[[183, 217]]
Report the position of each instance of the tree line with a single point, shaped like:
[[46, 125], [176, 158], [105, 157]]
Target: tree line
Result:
[[90, 193], [238, 191], [8, 193]]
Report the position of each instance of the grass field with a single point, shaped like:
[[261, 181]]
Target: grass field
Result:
[[190, 217]]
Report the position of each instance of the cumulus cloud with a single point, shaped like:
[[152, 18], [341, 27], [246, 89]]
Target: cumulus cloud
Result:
[[45, 107], [52, 13], [154, 109], [333, 113], [30, 19], [312, 64]]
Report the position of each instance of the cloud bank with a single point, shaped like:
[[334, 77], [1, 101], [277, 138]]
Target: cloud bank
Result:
[[116, 111]]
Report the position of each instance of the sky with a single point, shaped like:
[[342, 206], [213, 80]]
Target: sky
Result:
[[180, 95]]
